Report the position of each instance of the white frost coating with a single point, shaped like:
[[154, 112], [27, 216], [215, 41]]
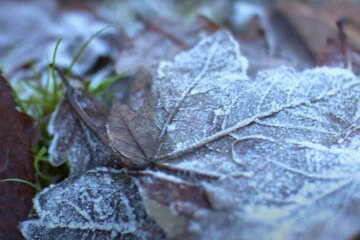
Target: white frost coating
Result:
[[284, 145], [222, 49], [171, 127], [201, 81], [275, 141], [102, 201], [73, 141], [332, 72], [165, 176]]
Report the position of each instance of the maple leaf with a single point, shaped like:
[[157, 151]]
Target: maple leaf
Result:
[[273, 141], [140, 139], [266, 158], [202, 85]]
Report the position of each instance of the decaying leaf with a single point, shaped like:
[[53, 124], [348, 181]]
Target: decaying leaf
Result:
[[275, 156], [100, 204], [77, 126], [161, 40], [149, 126], [15, 198], [171, 201], [318, 28], [276, 142], [213, 83], [333, 56], [267, 40]]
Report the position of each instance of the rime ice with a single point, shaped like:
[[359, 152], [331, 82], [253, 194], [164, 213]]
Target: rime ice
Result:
[[278, 155], [100, 204]]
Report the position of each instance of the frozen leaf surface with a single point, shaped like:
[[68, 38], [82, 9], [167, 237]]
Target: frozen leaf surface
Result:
[[77, 126], [100, 204], [279, 144], [153, 123]]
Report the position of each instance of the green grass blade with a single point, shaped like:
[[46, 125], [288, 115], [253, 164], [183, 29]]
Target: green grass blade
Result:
[[48, 94], [41, 157], [36, 74], [20, 103], [18, 180], [40, 154], [106, 83], [82, 49], [53, 68], [37, 88]]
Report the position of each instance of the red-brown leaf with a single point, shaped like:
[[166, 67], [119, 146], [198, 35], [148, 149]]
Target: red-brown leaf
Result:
[[16, 161]]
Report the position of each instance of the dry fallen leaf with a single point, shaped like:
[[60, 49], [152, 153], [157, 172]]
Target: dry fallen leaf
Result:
[[274, 141], [100, 204], [272, 157], [77, 125], [161, 40], [16, 161], [267, 40], [318, 28]]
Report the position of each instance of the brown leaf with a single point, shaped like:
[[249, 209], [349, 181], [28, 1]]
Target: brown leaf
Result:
[[317, 26], [313, 25], [277, 143], [334, 55], [161, 40], [266, 40], [79, 133], [347, 11], [171, 201], [16, 161]]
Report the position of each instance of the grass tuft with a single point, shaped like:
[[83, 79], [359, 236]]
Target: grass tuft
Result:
[[47, 92]]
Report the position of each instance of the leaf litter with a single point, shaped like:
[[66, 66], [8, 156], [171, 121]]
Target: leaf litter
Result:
[[336, 27], [280, 151]]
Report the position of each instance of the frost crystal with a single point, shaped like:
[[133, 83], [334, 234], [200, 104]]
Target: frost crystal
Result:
[[275, 157], [100, 204], [73, 141], [283, 145]]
